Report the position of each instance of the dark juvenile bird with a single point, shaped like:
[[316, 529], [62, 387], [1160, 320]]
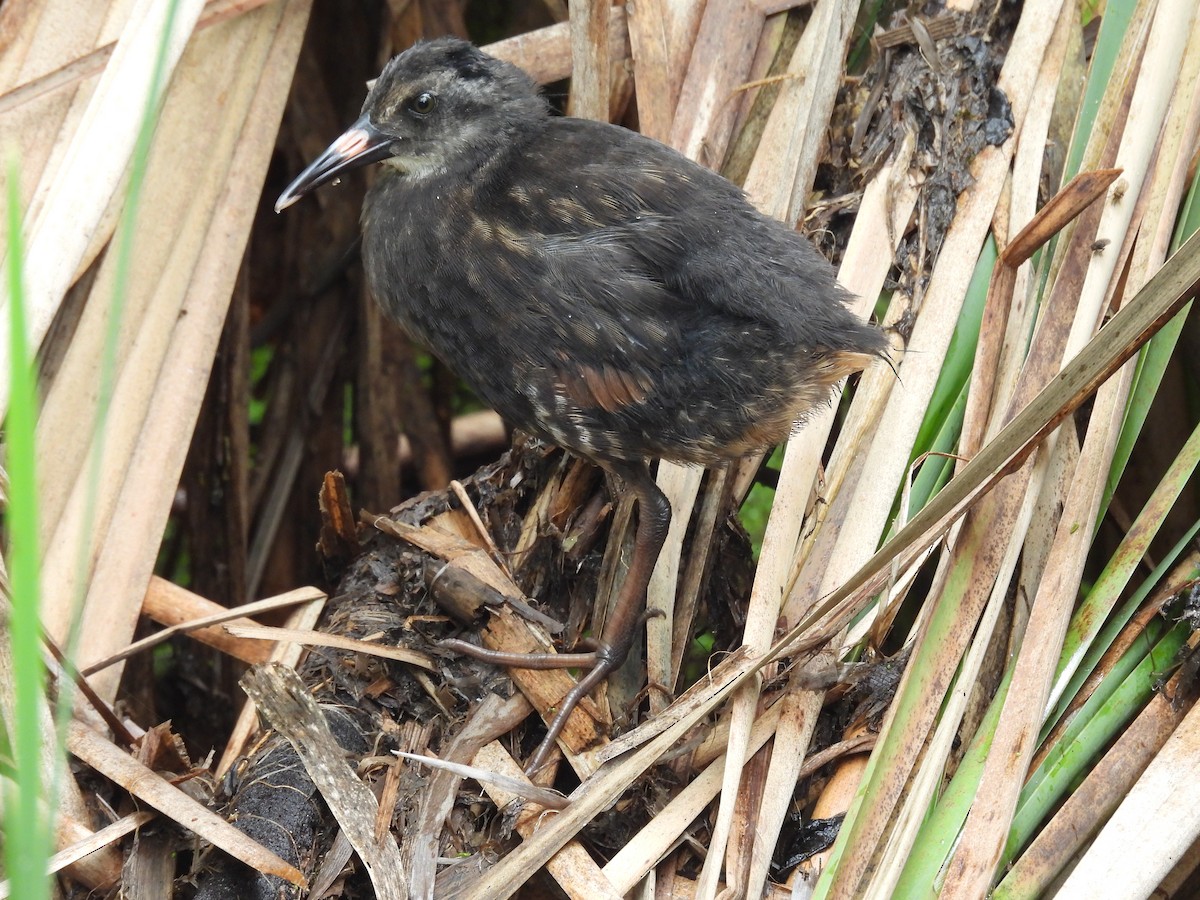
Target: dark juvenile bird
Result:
[[595, 287]]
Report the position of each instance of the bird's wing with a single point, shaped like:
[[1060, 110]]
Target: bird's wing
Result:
[[613, 334], [692, 230]]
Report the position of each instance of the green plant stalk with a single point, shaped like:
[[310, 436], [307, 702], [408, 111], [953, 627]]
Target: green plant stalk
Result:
[[1105, 53], [1092, 614], [936, 470], [939, 431], [1153, 360], [960, 355], [868, 16], [942, 424], [934, 473], [944, 621], [1125, 691], [1104, 56], [941, 827], [26, 828], [1112, 628], [1151, 366]]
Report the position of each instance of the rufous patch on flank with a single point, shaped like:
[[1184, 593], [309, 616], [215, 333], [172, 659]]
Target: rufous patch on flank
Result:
[[606, 387]]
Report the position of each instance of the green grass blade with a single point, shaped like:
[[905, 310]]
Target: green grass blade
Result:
[[1113, 26], [1153, 360], [1093, 613], [960, 356], [941, 828], [26, 829], [1126, 689], [1111, 628]]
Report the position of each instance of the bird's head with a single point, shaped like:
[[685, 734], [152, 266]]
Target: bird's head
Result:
[[440, 105]]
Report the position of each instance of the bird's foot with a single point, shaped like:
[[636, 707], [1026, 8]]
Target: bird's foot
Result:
[[622, 626], [600, 662]]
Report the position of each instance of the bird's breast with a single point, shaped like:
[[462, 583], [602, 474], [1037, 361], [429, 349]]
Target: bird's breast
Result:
[[462, 282]]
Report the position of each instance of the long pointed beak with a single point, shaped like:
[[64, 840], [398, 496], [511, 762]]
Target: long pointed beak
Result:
[[362, 143]]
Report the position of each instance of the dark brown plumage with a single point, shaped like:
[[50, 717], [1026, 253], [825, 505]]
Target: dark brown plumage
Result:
[[595, 287]]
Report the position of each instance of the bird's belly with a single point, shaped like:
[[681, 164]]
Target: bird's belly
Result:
[[700, 403]]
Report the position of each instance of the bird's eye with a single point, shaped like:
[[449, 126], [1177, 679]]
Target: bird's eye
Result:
[[422, 104]]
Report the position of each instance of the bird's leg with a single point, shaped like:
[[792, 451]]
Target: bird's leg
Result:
[[654, 517]]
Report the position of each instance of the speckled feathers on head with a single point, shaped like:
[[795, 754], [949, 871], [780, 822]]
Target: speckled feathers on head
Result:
[[479, 103], [465, 60]]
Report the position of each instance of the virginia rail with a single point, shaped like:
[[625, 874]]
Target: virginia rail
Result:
[[595, 287]]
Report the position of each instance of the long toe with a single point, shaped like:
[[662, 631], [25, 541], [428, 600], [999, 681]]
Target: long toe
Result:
[[603, 667]]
